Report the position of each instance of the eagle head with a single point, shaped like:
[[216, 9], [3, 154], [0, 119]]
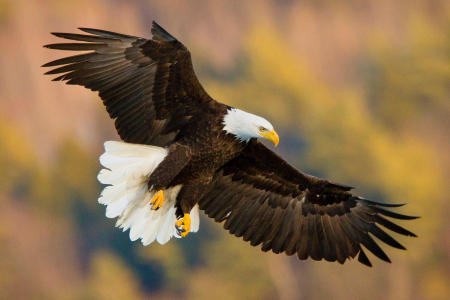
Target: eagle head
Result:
[[245, 126]]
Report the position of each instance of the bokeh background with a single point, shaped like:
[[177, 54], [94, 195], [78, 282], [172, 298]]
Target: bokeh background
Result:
[[358, 90]]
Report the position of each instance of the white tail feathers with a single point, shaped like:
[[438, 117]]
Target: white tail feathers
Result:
[[127, 196]]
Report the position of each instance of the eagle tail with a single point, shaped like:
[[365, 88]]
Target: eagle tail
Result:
[[127, 169]]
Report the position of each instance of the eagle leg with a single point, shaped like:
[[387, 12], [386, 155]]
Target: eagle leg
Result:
[[183, 225], [157, 200]]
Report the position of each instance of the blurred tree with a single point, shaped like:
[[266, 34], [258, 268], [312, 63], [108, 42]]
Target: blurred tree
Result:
[[386, 133], [172, 261], [17, 161], [109, 278], [232, 270], [344, 140], [405, 84]]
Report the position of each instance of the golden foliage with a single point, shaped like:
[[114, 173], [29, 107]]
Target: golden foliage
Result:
[[111, 279], [383, 131]]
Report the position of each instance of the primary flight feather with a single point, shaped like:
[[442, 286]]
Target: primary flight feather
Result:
[[184, 151]]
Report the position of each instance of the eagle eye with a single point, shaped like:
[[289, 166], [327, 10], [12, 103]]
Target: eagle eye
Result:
[[262, 129]]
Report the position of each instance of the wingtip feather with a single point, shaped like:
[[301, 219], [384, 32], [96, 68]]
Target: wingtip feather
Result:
[[362, 258], [58, 34], [371, 202], [160, 33]]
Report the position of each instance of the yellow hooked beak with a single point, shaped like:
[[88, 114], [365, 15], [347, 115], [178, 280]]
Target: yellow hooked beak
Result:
[[271, 136]]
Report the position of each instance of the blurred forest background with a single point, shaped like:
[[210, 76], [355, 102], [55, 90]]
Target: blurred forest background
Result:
[[358, 90]]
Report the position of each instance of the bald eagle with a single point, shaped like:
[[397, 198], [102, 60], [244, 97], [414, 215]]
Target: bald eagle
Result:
[[182, 152]]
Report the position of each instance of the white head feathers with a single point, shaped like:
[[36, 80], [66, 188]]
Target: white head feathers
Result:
[[245, 125]]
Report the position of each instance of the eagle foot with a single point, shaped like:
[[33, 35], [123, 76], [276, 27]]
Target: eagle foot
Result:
[[157, 200], [183, 225]]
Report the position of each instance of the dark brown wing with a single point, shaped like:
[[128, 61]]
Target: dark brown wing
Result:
[[266, 201], [148, 86]]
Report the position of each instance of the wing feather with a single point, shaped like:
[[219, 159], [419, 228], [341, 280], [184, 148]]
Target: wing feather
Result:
[[268, 202], [146, 85]]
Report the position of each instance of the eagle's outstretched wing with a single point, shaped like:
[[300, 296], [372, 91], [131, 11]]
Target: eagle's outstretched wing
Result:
[[148, 86], [266, 201]]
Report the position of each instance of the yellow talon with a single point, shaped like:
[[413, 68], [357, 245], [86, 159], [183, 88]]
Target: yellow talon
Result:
[[157, 200], [183, 225]]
